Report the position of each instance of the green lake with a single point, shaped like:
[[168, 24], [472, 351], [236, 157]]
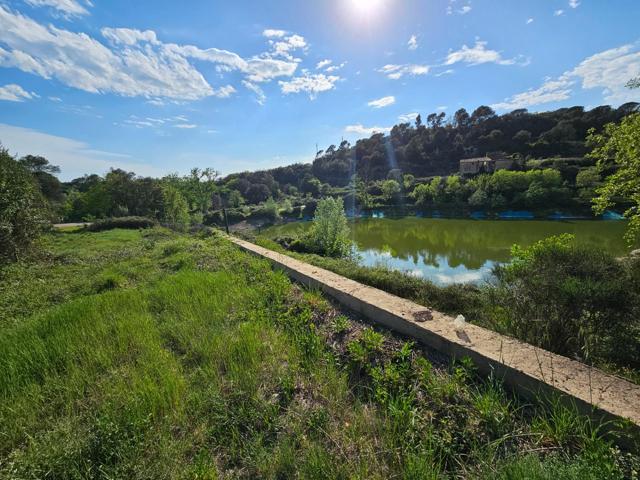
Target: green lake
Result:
[[449, 251]]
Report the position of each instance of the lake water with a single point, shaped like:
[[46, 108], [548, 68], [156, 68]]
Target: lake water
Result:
[[460, 250]]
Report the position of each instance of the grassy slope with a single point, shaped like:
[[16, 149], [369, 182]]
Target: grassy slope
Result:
[[129, 355]]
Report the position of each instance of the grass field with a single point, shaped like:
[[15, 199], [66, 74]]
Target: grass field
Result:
[[145, 355]]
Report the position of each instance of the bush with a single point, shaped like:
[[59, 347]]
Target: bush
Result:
[[23, 210], [122, 222], [330, 234], [571, 299]]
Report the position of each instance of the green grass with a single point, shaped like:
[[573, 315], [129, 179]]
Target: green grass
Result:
[[157, 355]]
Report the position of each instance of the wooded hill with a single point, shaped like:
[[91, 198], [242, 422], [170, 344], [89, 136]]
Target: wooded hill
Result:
[[435, 147]]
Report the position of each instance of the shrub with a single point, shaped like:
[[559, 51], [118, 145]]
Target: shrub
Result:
[[330, 234], [23, 210], [122, 222], [571, 299]]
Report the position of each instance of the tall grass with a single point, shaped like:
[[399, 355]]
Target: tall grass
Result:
[[207, 364]]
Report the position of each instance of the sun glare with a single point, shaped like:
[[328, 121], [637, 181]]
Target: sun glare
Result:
[[366, 7]]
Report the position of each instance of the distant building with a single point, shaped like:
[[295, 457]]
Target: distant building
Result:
[[474, 166]]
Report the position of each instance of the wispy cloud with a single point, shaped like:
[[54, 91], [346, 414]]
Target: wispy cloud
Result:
[[529, 21], [14, 93], [608, 70], [360, 129], [133, 62], [558, 13], [273, 33], [324, 63], [574, 3], [408, 117], [313, 84], [382, 102], [476, 55], [66, 8], [458, 7], [74, 157], [413, 43], [396, 72]]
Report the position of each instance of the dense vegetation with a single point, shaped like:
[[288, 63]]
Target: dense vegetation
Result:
[[152, 354], [558, 294], [23, 210], [415, 164]]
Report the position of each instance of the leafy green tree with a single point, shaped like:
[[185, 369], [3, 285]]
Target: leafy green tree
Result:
[[270, 209], [427, 193], [390, 190], [586, 182], [175, 208], [330, 234], [619, 145], [23, 210]]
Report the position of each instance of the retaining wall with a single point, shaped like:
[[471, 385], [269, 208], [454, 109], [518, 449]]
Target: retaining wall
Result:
[[527, 369]]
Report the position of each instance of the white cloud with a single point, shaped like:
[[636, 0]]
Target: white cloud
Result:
[[609, 70], [14, 93], [463, 9], [396, 72], [187, 126], [441, 108], [529, 21], [312, 84], [550, 91], [55, 99], [408, 117], [74, 157], [382, 102], [558, 13], [283, 48], [67, 8], [261, 98], [271, 33], [360, 129], [477, 55], [413, 43], [133, 63], [335, 68], [574, 3], [323, 64]]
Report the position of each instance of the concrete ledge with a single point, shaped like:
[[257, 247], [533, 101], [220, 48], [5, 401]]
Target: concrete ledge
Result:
[[527, 369]]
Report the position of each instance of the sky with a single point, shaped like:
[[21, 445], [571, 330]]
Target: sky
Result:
[[163, 86]]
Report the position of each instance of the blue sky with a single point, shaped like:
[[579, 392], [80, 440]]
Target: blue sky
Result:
[[162, 86]]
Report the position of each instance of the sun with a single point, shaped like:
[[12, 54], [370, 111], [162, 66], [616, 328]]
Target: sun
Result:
[[366, 7]]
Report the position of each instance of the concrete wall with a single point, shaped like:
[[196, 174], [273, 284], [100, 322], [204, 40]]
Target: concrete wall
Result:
[[529, 370]]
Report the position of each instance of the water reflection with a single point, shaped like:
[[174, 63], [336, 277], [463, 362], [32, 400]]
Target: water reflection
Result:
[[461, 250]]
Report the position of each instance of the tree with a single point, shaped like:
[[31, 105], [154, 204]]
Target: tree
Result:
[[329, 234], [23, 210], [390, 190], [634, 83], [175, 208], [619, 144], [258, 193]]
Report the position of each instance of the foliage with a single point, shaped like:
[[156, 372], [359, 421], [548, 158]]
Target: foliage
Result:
[[620, 144], [200, 361], [23, 211], [330, 234], [121, 222], [175, 208], [571, 299], [390, 190], [270, 209]]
